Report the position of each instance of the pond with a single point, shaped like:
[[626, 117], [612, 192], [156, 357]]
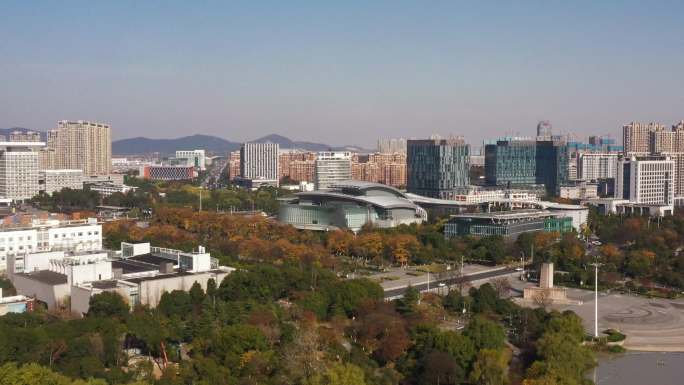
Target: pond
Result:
[[640, 368]]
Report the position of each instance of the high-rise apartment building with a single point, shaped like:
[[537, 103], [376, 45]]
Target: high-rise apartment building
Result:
[[436, 167], [233, 165], [646, 180], [392, 146], [297, 165], [24, 136], [19, 170], [653, 139], [332, 167], [636, 137], [82, 145], [302, 170], [597, 166], [259, 161]]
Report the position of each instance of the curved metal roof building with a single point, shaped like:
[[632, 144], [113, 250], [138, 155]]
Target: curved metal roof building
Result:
[[350, 205]]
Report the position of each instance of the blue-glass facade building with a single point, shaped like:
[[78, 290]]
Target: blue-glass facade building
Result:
[[436, 167], [525, 162]]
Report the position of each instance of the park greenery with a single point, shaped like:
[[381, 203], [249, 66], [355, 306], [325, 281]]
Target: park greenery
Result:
[[295, 324]]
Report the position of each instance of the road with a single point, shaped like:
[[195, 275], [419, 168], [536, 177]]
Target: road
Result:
[[214, 174], [397, 292]]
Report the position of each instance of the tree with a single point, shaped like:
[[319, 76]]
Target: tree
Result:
[[491, 367], [402, 247], [340, 374], [196, 294], [485, 334], [409, 301], [108, 304], [561, 359], [176, 302], [440, 368], [502, 286]]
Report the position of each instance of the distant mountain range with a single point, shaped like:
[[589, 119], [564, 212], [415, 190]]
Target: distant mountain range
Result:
[[141, 145]]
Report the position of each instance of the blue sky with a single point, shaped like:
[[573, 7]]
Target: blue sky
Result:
[[341, 72]]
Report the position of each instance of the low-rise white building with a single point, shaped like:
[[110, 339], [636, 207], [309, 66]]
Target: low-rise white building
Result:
[[107, 189], [141, 274], [195, 158], [56, 180], [49, 235]]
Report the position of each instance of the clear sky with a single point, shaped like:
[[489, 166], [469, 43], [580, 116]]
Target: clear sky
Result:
[[341, 72]]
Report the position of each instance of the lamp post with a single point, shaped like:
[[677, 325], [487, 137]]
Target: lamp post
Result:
[[596, 266]]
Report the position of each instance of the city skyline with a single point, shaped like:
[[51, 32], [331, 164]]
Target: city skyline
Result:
[[342, 74]]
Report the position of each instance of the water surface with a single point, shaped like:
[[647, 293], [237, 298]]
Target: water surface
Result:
[[640, 368]]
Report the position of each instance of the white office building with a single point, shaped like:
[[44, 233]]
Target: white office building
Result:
[[595, 166], [141, 274], [195, 158], [332, 167], [647, 180], [19, 170], [49, 235], [106, 189], [259, 160], [56, 180]]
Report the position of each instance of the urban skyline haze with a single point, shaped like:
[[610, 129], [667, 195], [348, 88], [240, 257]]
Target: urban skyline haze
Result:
[[341, 73]]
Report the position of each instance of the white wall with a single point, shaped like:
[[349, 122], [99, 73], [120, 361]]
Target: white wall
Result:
[[97, 271], [51, 295]]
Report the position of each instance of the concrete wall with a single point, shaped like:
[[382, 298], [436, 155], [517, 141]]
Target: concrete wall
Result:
[[53, 296], [152, 290], [98, 271]]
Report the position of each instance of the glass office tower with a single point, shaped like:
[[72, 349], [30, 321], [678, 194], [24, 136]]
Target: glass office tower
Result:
[[436, 167]]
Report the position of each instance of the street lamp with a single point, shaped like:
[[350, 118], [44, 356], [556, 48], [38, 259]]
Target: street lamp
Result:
[[596, 266]]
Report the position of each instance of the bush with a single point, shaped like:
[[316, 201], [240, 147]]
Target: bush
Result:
[[614, 335]]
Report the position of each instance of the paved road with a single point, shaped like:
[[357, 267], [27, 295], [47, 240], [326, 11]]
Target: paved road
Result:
[[396, 292]]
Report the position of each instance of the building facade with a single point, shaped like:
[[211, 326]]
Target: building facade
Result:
[[350, 205], [508, 224], [435, 167], [516, 162], [511, 163], [56, 180], [597, 166], [82, 145], [392, 146], [332, 167], [49, 235], [646, 180], [259, 160], [164, 172], [19, 170], [636, 137], [194, 158]]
